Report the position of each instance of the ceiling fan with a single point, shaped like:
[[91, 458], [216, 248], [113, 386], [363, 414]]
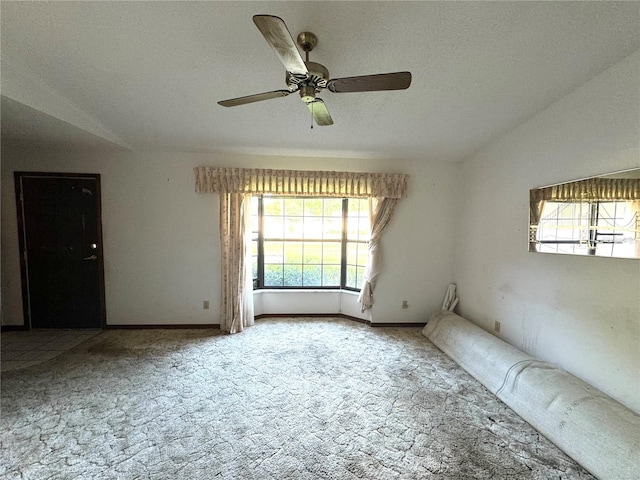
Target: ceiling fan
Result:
[[309, 78]]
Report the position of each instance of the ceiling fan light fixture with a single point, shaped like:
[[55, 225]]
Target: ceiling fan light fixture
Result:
[[307, 93]]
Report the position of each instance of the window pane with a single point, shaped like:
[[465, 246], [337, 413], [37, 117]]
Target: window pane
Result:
[[272, 206], [273, 227], [312, 253], [352, 253], [360, 271], [351, 276], [292, 275], [331, 276], [331, 253], [272, 275], [313, 227], [357, 256], [312, 276], [293, 206], [358, 219], [357, 253], [273, 252], [332, 228], [353, 227], [293, 227], [333, 207], [292, 252], [313, 207]]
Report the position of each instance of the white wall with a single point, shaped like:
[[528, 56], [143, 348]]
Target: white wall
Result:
[[161, 240], [582, 313]]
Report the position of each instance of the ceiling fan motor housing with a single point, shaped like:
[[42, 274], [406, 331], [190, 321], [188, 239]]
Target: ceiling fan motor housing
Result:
[[311, 84]]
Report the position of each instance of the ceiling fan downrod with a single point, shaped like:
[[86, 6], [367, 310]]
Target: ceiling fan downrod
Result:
[[317, 74]]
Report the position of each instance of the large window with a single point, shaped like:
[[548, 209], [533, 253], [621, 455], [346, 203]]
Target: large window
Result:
[[309, 242]]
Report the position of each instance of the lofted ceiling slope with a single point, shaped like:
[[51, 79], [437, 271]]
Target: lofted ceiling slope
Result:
[[148, 75]]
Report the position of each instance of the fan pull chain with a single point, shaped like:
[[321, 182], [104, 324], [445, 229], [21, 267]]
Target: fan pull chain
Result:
[[311, 113]]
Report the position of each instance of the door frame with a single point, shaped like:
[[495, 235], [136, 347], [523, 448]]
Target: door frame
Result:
[[24, 257]]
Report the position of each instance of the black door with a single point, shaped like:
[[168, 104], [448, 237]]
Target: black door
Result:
[[60, 241]]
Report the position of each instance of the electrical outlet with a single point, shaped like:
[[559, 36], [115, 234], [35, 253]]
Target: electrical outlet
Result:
[[405, 304], [205, 304], [496, 326]]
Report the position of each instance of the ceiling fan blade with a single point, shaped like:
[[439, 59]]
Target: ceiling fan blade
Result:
[[371, 83], [320, 112], [258, 97], [277, 35]]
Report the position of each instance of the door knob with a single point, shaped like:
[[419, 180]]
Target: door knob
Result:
[[92, 257]]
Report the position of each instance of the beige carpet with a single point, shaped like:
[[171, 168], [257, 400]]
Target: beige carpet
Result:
[[287, 399]]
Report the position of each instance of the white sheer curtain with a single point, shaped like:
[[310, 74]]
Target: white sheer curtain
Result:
[[380, 213], [235, 185], [236, 303]]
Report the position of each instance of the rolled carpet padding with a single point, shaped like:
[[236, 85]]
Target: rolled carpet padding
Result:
[[598, 432], [473, 349]]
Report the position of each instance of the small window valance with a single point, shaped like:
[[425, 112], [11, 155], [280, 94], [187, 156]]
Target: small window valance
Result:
[[594, 189], [300, 182]]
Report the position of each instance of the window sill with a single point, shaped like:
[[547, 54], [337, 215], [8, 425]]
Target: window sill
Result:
[[305, 290], [302, 301]]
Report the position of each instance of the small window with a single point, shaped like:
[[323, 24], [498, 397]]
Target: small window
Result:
[[300, 242]]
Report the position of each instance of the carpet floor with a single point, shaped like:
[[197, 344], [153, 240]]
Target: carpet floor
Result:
[[286, 399]]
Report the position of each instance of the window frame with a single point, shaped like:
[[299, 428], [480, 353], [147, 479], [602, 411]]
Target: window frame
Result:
[[258, 282]]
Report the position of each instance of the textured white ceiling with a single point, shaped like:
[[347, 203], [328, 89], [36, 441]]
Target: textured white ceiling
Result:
[[147, 75]]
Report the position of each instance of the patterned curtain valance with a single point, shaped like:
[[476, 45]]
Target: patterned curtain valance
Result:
[[300, 182], [594, 189]]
